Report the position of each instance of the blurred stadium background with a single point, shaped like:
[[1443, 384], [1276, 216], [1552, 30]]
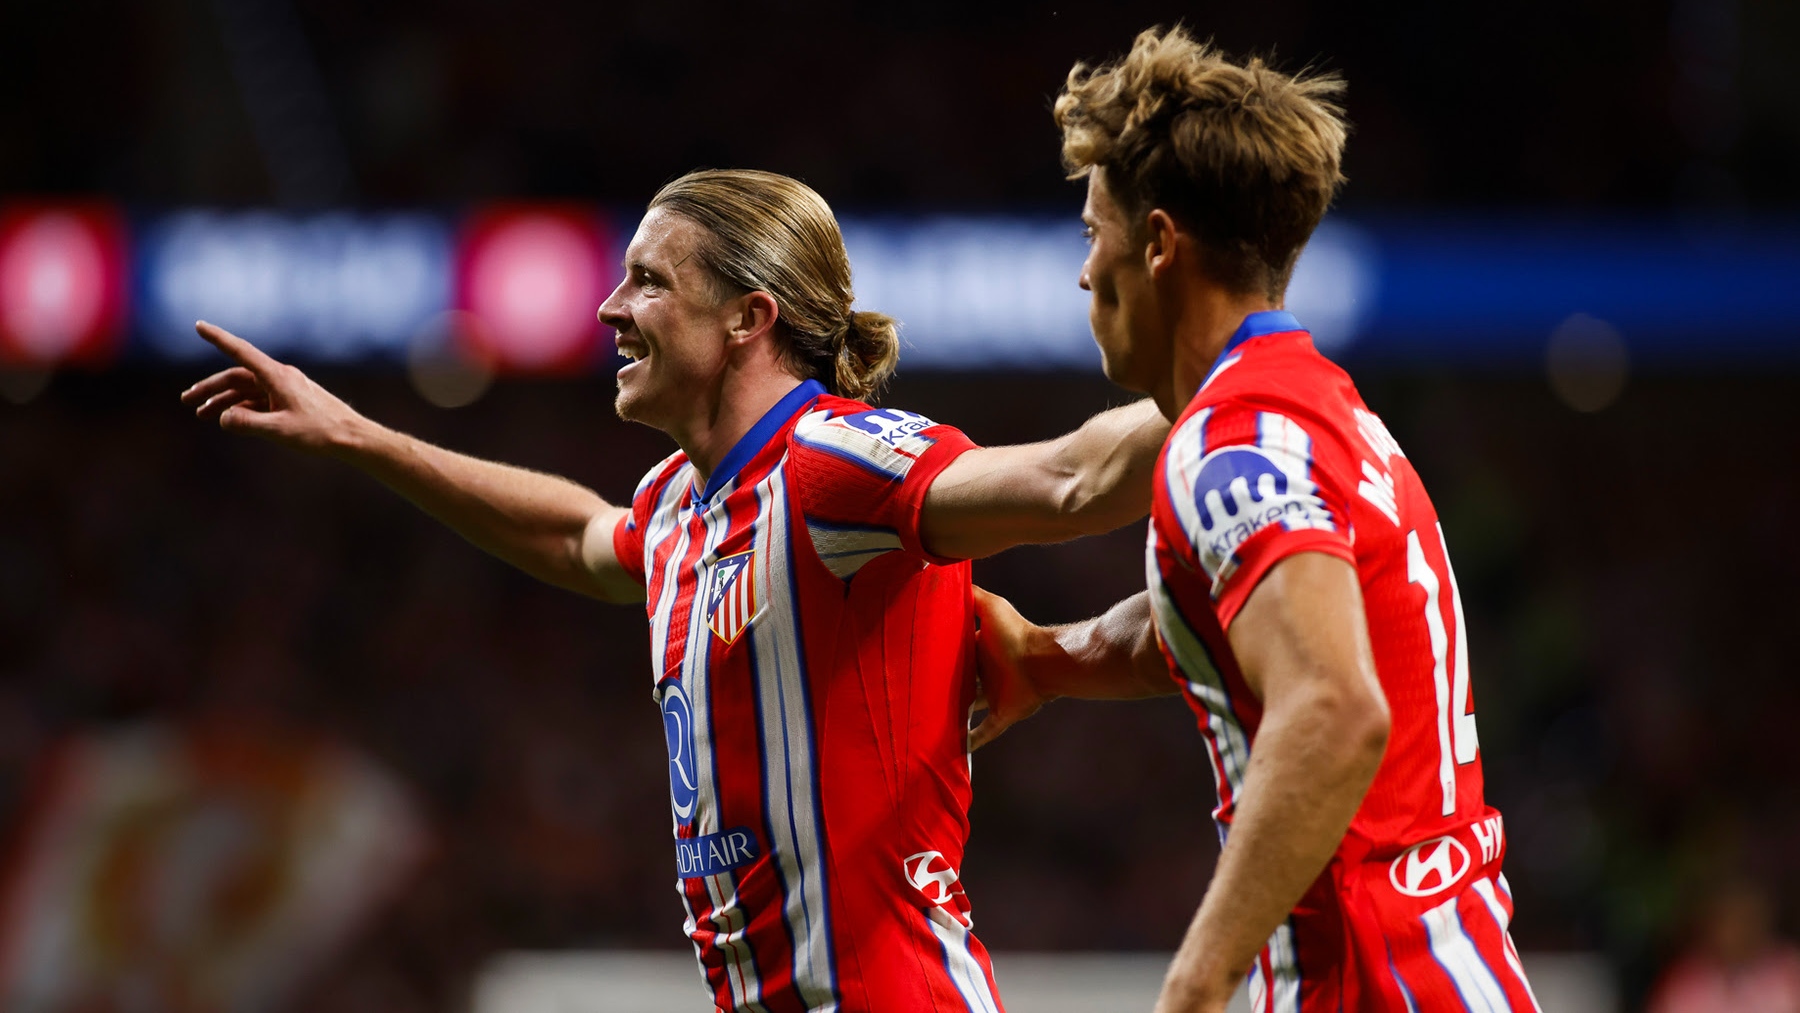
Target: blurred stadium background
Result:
[[269, 740]]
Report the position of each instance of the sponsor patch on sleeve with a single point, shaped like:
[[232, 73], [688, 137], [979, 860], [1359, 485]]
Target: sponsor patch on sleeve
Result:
[[1242, 490], [884, 440]]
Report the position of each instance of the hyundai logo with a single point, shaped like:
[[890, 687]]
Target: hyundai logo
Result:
[[1429, 867], [937, 884]]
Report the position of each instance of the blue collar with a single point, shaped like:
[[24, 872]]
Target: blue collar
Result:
[[1258, 324], [760, 434]]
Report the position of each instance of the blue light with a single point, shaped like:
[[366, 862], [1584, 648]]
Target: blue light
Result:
[[334, 286], [1001, 292]]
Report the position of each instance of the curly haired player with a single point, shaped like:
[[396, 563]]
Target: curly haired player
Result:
[[1301, 595]]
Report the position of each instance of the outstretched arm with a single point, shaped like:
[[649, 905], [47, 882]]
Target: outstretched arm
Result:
[[1094, 479], [1113, 656], [1302, 643], [550, 527]]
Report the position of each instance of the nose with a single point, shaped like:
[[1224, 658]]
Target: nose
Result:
[[1082, 280], [612, 312]]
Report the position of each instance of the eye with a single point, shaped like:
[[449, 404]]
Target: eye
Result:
[[1087, 233]]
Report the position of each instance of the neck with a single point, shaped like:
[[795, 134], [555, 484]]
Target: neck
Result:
[[736, 402], [1205, 320]]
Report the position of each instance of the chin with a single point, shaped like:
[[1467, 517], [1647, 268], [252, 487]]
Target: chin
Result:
[[622, 407], [1119, 368], [629, 404]]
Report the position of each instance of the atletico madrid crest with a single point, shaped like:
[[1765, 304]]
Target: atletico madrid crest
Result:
[[732, 603]]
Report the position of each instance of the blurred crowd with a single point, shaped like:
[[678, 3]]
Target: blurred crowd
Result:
[[932, 105], [1627, 579]]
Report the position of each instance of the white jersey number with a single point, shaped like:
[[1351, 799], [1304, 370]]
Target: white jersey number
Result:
[[1457, 743]]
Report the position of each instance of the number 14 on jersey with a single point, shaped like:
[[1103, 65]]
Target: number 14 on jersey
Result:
[[1457, 743]]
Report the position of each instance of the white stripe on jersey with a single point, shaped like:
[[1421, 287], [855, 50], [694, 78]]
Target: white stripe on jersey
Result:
[[1203, 680], [1259, 991], [727, 918], [1284, 968], [845, 550], [1456, 954], [740, 960], [1485, 887], [1187, 445], [1278, 432], [655, 473], [965, 971], [790, 777]]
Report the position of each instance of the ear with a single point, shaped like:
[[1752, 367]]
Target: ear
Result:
[[1159, 242], [754, 316]]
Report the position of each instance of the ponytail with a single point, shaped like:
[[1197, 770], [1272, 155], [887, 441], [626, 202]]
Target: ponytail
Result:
[[867, 353]]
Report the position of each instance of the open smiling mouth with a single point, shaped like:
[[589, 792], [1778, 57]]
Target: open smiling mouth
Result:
[[634, 352]]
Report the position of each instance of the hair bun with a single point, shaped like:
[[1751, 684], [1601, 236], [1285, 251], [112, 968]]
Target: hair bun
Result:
[[866, 354]]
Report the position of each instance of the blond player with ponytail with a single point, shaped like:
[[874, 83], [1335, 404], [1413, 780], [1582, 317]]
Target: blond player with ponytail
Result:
[[803, 562]]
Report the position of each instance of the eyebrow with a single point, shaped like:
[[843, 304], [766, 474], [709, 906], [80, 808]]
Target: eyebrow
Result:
[[635, 266]]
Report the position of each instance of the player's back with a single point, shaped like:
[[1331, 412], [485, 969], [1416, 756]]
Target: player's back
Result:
[[1277, 454], [1320, 472]]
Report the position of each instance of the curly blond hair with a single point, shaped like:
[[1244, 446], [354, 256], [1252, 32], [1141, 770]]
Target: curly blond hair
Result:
[[1245, 156]]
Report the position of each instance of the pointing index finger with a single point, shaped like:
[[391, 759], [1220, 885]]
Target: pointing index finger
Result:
[[245, 353]]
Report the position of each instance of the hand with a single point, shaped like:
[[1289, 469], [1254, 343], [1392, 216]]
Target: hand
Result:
[[1002, 644], [268, 398]]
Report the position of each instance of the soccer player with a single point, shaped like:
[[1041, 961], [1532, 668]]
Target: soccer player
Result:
[[811, 626], [1301, 590]]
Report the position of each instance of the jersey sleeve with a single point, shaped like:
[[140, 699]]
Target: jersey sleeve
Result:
[[1249, 489], [628, 533], [861, 478]]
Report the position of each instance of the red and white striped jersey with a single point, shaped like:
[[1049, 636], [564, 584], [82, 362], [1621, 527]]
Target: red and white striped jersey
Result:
[[815, 672], [1276, 455]]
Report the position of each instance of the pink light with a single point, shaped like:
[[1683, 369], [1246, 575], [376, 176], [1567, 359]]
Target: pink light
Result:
[[533, 278], [61, 283]]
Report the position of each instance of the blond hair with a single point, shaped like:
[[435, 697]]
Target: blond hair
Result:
[[770, 233], [1245, 156]]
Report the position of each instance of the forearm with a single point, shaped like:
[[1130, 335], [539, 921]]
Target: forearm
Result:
[[1094, 479], [1310, 766], [1107, 466], [1113, 656], [534, 521]]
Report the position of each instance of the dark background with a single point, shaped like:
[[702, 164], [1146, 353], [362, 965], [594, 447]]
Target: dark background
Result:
[[1628, 575]]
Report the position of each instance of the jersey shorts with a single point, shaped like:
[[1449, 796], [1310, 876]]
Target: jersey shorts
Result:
[[814, 669], [1277, 455]]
